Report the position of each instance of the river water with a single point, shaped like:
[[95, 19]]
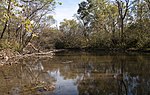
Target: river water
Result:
[[78, 73]]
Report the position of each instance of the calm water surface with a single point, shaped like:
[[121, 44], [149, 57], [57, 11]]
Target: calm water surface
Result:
[[78, 73]]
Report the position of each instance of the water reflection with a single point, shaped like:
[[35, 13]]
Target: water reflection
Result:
[[118, 75], [64, 86], [78, 74], [26, 78]]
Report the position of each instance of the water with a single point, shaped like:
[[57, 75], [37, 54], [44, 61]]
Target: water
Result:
[[78, 73]]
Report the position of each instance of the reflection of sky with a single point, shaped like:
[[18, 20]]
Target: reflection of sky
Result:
[[64, 86], [66, 10]]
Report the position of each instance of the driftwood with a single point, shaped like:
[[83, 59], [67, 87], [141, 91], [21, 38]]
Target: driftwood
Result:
[[30, 48], [9, 56], [14, 58], [42, 54], [38, 54], [33, 51]]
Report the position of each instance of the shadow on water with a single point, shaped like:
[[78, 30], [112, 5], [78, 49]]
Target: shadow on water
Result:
[[78, 73]]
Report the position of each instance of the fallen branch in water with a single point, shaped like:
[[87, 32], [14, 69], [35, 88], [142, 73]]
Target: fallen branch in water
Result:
[[9, 57]]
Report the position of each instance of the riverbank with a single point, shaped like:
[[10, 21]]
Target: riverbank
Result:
[[9, 56], [104, 50]]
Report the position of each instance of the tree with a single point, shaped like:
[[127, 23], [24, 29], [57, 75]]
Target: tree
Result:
[[24, 18], [71, 35], [86, 16], [123, 8], [7, 17], [69, 27]]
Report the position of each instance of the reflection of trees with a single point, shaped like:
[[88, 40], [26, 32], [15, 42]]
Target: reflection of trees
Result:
[[97, 75], [119, 73], [122, 75], [27, 77], [130, 83], [97, 86]]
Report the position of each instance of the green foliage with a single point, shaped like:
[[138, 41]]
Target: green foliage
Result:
[[99, 25], [60, 3], [28, 25], [46, 39], [59, 44], [100, 40], [5, 44], [20, 20]]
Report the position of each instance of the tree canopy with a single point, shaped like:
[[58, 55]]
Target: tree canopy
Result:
[[109, 24]]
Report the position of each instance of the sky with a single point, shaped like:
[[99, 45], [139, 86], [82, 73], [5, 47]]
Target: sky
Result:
[[66, 10]]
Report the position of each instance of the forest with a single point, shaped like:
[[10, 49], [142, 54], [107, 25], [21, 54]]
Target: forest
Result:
[[98, 24], [39, 56]]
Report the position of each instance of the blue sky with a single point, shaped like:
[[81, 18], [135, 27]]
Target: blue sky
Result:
[[66, 10]]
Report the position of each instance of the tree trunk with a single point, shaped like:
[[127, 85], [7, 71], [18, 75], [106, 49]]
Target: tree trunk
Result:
[[122, 29], [6, 23], [4, 29]]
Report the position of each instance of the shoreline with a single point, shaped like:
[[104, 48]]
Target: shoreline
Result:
[[9, 56], [116, 50]]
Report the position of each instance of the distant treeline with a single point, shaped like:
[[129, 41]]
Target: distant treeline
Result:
[[98, 24]]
